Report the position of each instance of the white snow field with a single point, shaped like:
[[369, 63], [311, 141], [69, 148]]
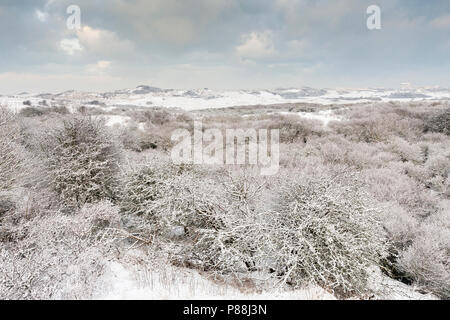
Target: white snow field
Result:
[[324, 116], [146, 96]]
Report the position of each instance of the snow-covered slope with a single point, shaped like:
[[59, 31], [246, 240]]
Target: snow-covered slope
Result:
[[123, 282]]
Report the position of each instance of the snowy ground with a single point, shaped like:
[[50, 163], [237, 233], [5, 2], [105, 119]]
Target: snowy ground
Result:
[[144, 96], [137, 278], [324, 116], [115, 120], [203, 99], [125, 282]]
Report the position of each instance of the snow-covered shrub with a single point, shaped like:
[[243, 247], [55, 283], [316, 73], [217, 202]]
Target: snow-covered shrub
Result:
[[438, 168], [391, 185], [142, 190], [405, 150], [154, 115], [210, 219], [439, 122], [326, 231], [365, 130], [131, 138], [427, 259], [418, 172], [155, 138], [81, 159], [332, 151], [57, 256], [292, 128], [400, 225], [232, 244], [335, 149], [157, 198], [159, 117], [138, 139], [320, 230], [230, 249], [378, 123], [6, 205], [42, 110], [12, 155], [32, 112]]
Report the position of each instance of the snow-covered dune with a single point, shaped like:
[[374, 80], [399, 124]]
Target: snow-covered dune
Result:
[[145, 96]]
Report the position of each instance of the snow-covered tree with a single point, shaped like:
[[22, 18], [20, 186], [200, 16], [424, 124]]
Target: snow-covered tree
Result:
[[81, 159]]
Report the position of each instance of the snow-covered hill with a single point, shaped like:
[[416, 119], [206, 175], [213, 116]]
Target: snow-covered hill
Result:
[[146, 96]]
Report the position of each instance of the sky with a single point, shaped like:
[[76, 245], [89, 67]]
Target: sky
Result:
[[222, 44]]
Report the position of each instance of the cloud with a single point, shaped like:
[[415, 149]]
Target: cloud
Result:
[[256, 45], [103, 64], [71, 46], [441, 22], [305, 17], [171, 22], [41, 16], [175, 30], [297, 47], [103, 42], [99, 68], [225, 42]]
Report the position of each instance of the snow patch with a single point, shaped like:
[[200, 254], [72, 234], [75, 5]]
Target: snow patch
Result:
[[324, 116], [123, 283], [113, 120]]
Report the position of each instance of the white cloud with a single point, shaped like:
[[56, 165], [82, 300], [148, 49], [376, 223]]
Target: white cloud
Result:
[[103, 42], [256, 45], [71, 46]]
